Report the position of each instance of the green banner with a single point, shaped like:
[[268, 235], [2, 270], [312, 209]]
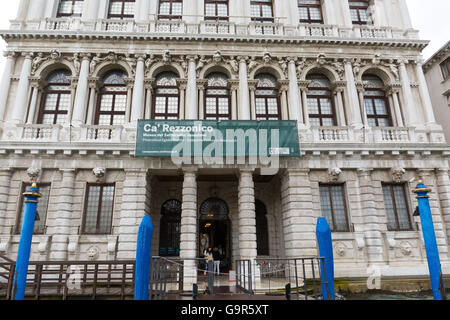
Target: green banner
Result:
[[168, 138]]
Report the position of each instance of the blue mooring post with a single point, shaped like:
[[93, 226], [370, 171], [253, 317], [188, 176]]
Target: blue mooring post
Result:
[[323, 233], [429, 237], [26, 235], [143, 257]]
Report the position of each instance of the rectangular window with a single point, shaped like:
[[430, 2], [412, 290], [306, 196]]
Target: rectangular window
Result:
[[397, 209], [39, 225], [334, 207], [216, 10], [310, 11], [70, 8], [98, 209], [359, 11], [170, 10], [121, 9], [445, 67]]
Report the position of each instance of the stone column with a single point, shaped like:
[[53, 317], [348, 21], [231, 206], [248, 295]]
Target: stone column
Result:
[[134, 205], [35, 87], [247, 216], [371, 218], [345, 9], [182, 84], [149, 98], [234, 86], [425, 94], [283, 101], [434, 182], [295, 112], [252, 86], [90, 9], [6, 81], [303, 86], [137, 108], [380, 13], [61, 228], [36, 9], [201, 84], [443, 190], [5, 182], [93, 86], [340, 106], [329, 12], [409, 110], [22, 10], [244, 99], [81, 95], [142, 10], [191, 90], [405, 15], [188, 237], [297, 214], [355, 119], [398, 113], [361, 92], [20, 104], [130, 84]]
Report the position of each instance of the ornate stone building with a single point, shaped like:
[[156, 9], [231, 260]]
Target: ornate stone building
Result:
[[79, 74]]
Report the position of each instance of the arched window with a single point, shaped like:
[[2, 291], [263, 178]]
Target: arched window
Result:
[[214, 209], [167, 97], [121, 9], [266, 98], [169, 237], [310, 11], [320, 105], [262, 230], [56, 98], [112, 102], [375, 102], [70, 8], [217, 97]]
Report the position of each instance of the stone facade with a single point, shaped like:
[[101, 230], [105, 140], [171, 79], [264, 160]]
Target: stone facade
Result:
[[361, 158]]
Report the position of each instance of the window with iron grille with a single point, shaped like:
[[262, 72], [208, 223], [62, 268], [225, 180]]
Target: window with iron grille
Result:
[[166, 100], [170, 10], [267, 98], [70, 8], [217, 97], [55, 103], [112, 102], [334, 207], [121, 9], [320, 104], [445, 67], [310, 11], [98, 209], [397, 208], [375, 102], [262, 230], [169, 237], [42, 207], [216, 10], [359, 11]]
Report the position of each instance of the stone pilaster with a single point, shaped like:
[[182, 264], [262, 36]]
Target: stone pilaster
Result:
[[134, 206], [247, 216], [244, 98], [371, 219], [5, 182], [60, 230], [20, 104], [188, 237], [443, 189], [297, 214], [191, 90], [81, 96], [137, 108], [6, 82]]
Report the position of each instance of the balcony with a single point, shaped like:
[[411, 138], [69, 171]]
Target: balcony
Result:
[[230, 28]]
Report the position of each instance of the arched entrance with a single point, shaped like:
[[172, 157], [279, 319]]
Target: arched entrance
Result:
[[169, 237], [215, 229]]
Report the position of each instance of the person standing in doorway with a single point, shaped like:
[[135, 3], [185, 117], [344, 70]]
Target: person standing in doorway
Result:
[[210, 263], [216, 256]]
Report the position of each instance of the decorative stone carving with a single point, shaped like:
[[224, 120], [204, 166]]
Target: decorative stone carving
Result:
[[55, 55], [334, 173], [93, 253], [44, 244], [252, 64], [94, 62], [166, 57], [267, 58], [217, 57], [357, 66], [37, 61], [234, 65], [112, 244], [33, 173], [321, 59], [5, 242], [376, 59], [99, 173], [405, 248], [76, 62], [340, 249], [398, 174], [132, 61], [339, 68], [201, 63], [393, 67], [73, 244], [360, 242]]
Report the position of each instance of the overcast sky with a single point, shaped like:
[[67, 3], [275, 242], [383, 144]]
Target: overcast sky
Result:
[[430, 17]]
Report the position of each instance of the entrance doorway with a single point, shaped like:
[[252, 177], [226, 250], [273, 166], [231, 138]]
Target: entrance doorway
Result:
[[215, 230]]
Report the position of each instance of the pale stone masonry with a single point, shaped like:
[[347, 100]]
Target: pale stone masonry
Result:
[[141, 56]]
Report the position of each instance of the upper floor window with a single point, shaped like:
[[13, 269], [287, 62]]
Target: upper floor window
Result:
[[267, 98], [98, 209], [70, 8], [41, 213], [55, 104], [216, 10], [170, 10], [121, 9], [445, 67], [334, 207], [310, 11], [320, 105], [217, 97], [375, 102], [359, 11], [112, 102], [397, 210], [166, 101]]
